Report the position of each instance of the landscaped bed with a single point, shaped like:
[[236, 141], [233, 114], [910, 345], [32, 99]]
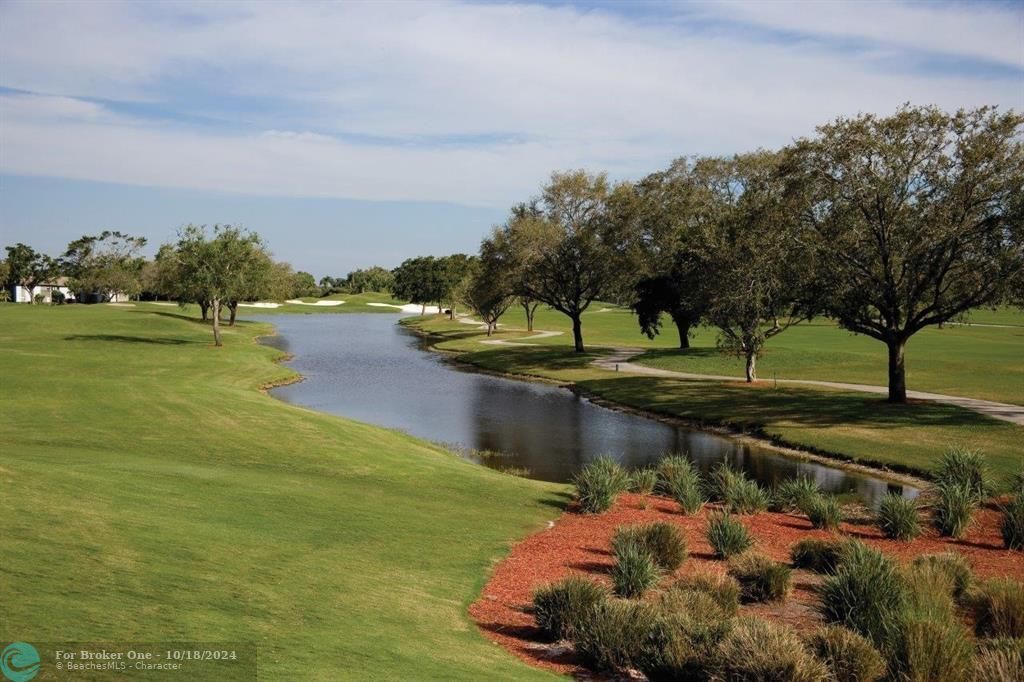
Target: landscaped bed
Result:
[[581, 544]]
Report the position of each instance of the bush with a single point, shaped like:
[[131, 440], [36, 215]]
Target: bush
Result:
[[634, 571], [934, 649], [867, 594], [1012, 525], [759, 651], [954, 508], [962, 466], [815, 554], [740, 494], [848, 656], [999, 608], [684, 487], [760, 578], [671, 467], [558, 607], [897, 517], [684, 638], [1000, 660], [661, 540], [929, 591], [615, 634], [722, 588], [790, 494], [954, 565], [823, 511], [598, 484], [727, 535], [642, 481]]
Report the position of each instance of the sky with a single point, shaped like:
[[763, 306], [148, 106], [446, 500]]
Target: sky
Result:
[[350, 134]]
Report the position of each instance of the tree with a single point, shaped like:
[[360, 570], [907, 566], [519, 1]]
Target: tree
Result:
[[518, 242], [749, 240], [488, 289], [571, 263], [374, 278], [451, 272], [304, 284], [105, 264], [27, 268], [916, 218], [415, 281]]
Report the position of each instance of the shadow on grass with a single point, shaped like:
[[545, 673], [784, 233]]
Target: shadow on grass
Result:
[[703, 352], [177, 316], [523, 360], [118, 338]]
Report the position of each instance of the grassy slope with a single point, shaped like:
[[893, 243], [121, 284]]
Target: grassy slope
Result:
[[150, 493], [979, 362], [856, 425]]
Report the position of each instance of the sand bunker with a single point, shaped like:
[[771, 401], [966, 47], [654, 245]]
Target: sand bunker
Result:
[[407, 308], [295, 301]]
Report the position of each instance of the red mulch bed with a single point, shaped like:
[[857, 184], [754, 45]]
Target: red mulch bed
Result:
[[580, 543]]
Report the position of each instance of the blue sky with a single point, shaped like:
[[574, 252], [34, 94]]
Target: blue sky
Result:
[[356, 133]]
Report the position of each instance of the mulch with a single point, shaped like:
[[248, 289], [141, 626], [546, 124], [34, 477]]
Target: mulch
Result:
[[580, 543]]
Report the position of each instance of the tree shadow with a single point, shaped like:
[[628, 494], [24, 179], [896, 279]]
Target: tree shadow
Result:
[[119, 338], [176, 316]]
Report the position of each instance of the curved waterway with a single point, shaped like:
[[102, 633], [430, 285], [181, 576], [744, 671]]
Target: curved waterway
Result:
[[369, 368]]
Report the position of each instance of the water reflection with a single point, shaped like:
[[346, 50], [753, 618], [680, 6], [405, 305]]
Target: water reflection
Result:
[[365, 367]]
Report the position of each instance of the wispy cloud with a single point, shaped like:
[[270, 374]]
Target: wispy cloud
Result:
[[473, 103]]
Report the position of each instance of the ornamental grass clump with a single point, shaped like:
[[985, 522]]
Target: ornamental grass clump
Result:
[[822, 511], [722, 588], [727, 536], [1012, 525], [848, 656], [867, 593], [898, 518], [739, 494], [933, 649], [790, 494], [760, 579], [642, 481], [661, 540], [954, 565], [998, 606], [963, 466], [634, 571], [757, 650], [598, 484], [816, 554], [615, 634], [560, 606], [999, 661], [953, 509], [684, 638], [669, 467]]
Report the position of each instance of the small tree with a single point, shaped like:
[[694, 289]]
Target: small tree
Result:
[[105, 264], [27, 268], [488, 288], [916, 218], [303, 284]]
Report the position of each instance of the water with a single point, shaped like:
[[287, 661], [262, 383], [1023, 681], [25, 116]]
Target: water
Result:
[[367, 367]]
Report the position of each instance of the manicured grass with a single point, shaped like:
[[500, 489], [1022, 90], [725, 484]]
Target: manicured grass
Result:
[[151, 494], [973, 361], [859, 426]]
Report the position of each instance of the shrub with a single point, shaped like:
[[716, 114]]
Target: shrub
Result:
[[848, 656], [598, 484], [722, 480], [999, 608], [558, 607], [929, 591], [760, 578], [683, 639], [955, 567], [962, 466], [790, 494], [999, 664], [642, 481], [634, 571], [934, 649], [727, 535], [740, 494], [614, 634], [815, 554], [759, 651], [897, 517], [954, 508], [669, 468], [1012, 525], [823, 511], [661, 540], [722, 588], [867, 593], [684, 487]]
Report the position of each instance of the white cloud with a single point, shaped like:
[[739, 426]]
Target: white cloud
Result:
[[533, 88]]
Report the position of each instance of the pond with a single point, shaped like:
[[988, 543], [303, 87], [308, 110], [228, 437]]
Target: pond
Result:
[[369, 368]]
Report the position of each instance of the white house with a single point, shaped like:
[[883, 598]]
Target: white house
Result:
[[47, 289]]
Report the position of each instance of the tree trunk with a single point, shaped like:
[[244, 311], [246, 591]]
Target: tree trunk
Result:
[[897, 371], [683, 325], [751, 367], [204, 306], [530, 309], [216, 322], [577, 333], [439, 308], [232, 311], [423, 309], [490, 328]]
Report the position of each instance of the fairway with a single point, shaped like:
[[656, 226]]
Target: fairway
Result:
[[151, 494]]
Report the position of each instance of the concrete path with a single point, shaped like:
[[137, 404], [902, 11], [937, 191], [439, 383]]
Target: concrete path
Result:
[[620, 361]]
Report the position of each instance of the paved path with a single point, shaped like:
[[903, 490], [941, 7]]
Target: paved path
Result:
[[619, 360]]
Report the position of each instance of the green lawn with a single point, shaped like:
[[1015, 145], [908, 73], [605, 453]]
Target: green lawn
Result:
[[858, 426], [978, 362], [150, 493]]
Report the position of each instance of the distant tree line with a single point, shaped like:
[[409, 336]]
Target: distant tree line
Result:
[[886, 225]]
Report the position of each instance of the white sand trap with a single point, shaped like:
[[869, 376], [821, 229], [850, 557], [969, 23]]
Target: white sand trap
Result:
[[122, 305], [259, 304], [407, 308], [295, 301], [164, 303]]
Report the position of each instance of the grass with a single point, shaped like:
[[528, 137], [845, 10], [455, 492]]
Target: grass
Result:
[[150, 493], [856, 426]]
